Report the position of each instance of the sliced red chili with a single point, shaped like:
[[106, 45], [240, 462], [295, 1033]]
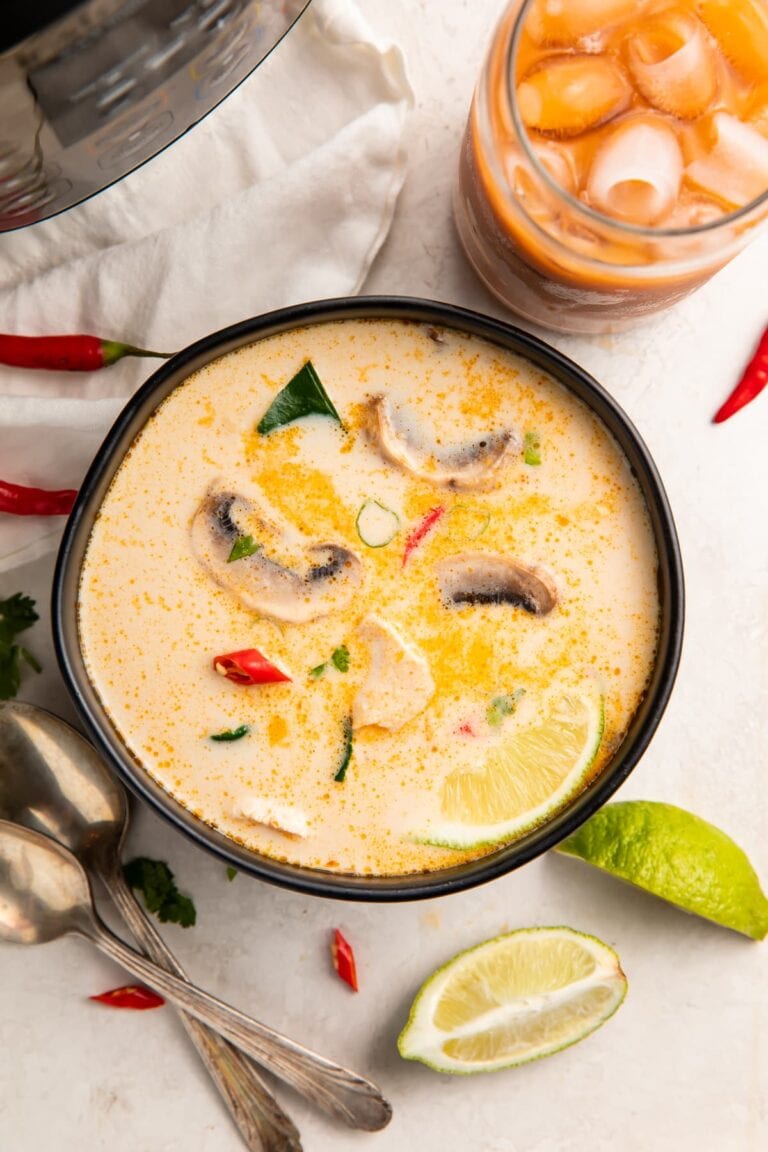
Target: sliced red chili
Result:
[[754, 378], [417, 534], [66, 353], [18, 500], [249, 667], [344, 959], [130, 996], [466, 729]]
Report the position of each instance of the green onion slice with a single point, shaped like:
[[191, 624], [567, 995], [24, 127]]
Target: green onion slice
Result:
[[468, 523], [532, 448], [376, 524]]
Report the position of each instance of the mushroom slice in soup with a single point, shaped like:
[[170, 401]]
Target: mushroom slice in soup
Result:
[[399, 683], [474, 465], [285, 578], [487, 578]]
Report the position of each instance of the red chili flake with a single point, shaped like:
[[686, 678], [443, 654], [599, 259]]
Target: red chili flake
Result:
[[417, 534], [66, 353], [753, 380], [344, 959], [466, 729], [249, 667], [130, 996], [18, 500]]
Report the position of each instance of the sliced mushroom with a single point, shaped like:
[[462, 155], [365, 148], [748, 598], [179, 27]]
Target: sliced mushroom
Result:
[[485, 578], [474, 465], [287, 578], [281, 817], [398, 684]]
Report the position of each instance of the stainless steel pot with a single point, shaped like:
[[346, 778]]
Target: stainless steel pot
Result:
[[89, 90]]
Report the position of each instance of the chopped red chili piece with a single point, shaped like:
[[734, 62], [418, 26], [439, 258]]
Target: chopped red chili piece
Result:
[[18, 500], [131, 996], [754, 378], [417, 534], [249, 667], [66, 353], [344, 959], [466, 729]]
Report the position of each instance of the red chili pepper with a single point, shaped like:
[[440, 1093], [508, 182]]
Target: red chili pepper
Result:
[[417, 534], [66, 353], [131, 996], [19, 500], [249, 667], [344, 959], [466, 729], [753, 380]]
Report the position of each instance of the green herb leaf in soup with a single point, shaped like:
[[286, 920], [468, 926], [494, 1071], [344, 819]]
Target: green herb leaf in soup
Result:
[[340, 658], [231, 734], [303, 395], [346, 754], [242, 547], [503, 706]]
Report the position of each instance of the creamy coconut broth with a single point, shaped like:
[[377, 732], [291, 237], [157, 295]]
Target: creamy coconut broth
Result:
[[159, 598]]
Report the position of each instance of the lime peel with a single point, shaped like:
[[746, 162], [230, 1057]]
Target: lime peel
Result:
[[516, 991], [677, 856]]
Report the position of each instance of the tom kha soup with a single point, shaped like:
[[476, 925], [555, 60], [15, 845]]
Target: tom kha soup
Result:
[[371, 596]]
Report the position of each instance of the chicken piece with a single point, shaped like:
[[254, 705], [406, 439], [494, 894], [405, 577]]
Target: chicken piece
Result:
[[398, 684]]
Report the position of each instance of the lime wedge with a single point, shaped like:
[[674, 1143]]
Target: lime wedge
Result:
[[520, 781], [677, 856], [513, 999]]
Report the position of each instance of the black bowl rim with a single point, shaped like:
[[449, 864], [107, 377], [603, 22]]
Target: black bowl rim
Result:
[[314, 881]]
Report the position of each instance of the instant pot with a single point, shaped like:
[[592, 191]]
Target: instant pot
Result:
[[89, 90]]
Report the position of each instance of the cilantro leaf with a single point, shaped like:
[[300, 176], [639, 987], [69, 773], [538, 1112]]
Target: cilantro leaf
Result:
[[231, 873], [154, 880], [303, 395], [318, 671], [242, 547], [17, 613], [340, 658], [231, 733]]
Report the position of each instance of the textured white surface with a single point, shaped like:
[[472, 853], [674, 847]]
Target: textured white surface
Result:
[[683, 1067]]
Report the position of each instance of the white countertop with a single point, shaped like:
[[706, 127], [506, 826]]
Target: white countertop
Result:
[[684, 1064]]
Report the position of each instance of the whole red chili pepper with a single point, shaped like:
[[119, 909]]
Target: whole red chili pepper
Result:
[[417, 534], [249, 667], [344, 959], [754, 378], [19, 500], [66, 353], [131, 996]]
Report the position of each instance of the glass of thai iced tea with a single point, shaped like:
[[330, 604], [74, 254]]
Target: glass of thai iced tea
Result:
[[616, 154]]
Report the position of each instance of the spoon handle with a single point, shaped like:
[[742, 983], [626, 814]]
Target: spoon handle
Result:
[[261, 1121], [336, 1090]]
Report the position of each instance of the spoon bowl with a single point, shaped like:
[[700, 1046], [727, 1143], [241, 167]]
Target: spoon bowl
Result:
[[44, 893]]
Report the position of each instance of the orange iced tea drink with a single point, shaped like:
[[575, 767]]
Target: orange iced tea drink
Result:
[[616, 154]]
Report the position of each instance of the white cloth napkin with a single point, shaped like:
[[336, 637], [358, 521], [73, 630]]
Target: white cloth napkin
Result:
[[282, 194]]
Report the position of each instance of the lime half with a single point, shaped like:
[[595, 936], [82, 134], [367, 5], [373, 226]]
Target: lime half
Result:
[[513, 999], [526, 777], [677, 856]]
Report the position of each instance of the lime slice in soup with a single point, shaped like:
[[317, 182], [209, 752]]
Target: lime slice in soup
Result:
[[530, 773]]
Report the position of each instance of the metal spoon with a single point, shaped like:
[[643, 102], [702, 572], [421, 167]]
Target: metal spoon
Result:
[[46, 778], [53, 781]]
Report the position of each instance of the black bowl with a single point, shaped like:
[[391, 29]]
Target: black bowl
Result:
[[463, 875]]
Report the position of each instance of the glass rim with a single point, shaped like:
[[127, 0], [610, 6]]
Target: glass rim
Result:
[[600, 218]]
